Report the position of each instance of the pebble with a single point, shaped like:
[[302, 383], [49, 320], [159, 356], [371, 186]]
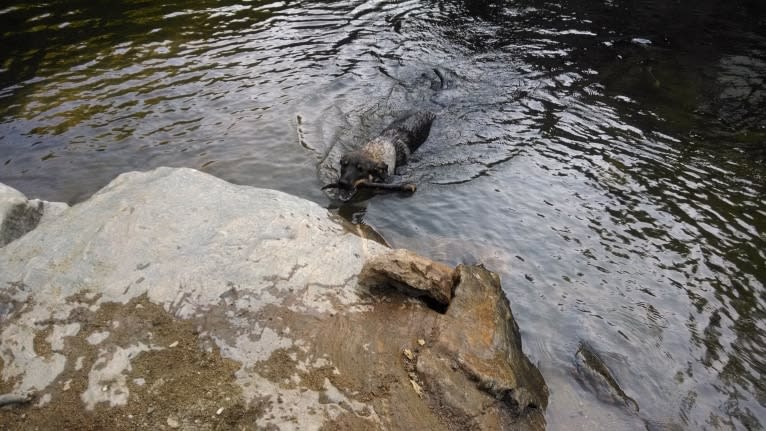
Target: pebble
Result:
[[175, 343], [173, 423], [408, 354], [421, 341], [219, 411]]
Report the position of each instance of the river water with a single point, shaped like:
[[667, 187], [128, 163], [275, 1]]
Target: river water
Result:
[[608, 158]]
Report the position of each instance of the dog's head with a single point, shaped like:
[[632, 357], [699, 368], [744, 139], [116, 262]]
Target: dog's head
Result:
[[356, 168]]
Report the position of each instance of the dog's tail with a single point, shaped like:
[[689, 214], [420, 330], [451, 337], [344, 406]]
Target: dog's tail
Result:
[[414, 128]]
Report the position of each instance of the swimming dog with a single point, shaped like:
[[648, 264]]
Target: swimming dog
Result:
[[373, 164]]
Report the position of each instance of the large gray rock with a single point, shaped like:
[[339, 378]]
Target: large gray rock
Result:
[[172, 299]]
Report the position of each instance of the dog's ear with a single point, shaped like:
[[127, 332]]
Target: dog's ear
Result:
[[381, 170]]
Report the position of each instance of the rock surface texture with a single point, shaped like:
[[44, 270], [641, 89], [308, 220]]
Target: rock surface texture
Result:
[[174, 300]]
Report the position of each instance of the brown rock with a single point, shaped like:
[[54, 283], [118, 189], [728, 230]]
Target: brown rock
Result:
[[485, 354], [412, 274], [469, 373]]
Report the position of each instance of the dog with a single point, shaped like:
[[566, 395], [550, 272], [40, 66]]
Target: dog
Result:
[[371, 165]]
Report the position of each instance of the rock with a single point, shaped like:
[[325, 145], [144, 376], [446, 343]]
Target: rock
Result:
[[11, 399], [412, 274], [416, 387], [19, 215], [261, 291], [173, 423], [593, 373], [487, 352], [408, 354], [51, 210]]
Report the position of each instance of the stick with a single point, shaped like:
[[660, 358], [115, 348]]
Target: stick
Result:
[[363, 183], [404, 187]]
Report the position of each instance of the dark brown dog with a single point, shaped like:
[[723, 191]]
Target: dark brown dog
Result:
[[373, 164]]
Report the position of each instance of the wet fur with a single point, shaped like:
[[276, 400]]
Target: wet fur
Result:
[[372, 164]]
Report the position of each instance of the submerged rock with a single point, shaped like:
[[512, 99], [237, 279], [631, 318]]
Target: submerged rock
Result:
[[175, 295], [593, 373]]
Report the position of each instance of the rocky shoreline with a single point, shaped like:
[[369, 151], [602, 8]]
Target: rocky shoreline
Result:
[[173, 299]]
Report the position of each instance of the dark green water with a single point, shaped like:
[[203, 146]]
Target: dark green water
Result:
[[607, 158]]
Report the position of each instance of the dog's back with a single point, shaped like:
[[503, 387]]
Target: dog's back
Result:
[[408, 133]]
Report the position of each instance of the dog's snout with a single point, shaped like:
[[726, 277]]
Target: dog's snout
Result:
[[344, 183], [346, 180]]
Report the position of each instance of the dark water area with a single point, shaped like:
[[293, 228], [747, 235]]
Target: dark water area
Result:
[[608, 158]]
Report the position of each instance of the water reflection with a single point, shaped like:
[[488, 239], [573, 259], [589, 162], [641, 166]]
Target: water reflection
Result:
[[605, 158]]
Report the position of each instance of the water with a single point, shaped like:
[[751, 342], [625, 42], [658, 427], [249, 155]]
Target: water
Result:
[[606, 158]]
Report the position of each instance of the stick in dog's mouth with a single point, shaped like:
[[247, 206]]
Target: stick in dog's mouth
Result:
[[365, 184], [337, 185]]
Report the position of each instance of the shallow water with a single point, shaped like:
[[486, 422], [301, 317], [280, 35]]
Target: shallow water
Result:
[[607, 159]]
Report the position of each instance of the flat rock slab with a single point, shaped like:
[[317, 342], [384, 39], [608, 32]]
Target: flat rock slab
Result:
[[172, 299]]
